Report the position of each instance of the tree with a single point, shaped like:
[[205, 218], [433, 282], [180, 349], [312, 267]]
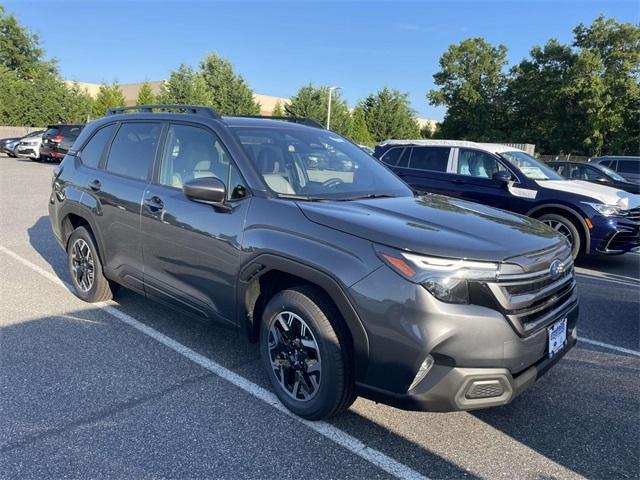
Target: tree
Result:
[[311, 102], [109, 96], [185, 86], [614, 51], [471, 84], [388, 115], [358, 131], [278, 111], [78, 104], [146, 95], [20, 49], [229, 92]]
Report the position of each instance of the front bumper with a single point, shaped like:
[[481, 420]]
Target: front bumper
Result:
[[614, 236], [473, 347]]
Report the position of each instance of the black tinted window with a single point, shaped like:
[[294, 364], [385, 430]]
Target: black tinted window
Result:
[[430, 158], [133, 149], [392, 156], [92, 151], [628, 166]]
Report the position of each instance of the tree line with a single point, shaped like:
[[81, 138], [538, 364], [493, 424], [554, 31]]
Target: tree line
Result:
[[582, 98]]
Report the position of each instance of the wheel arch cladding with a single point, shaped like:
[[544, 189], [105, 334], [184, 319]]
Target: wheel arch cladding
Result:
[[268, 274]]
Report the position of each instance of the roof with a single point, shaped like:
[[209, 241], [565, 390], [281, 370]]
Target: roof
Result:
[[232, 121], [489, 147]]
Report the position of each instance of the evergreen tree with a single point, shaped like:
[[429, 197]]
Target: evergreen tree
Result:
[[78, 104], [358, 131], [146, 95], [389, 116], [229, 92], [278, 111], [109, 96], [185, 86], [311, 102]]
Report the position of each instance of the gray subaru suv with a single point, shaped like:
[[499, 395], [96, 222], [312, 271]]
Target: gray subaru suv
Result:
[[290, 234]]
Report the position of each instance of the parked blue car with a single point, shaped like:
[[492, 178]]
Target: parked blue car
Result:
[[595, 219]]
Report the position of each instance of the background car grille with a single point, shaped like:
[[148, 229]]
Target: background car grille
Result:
[[534, 300], [634, 214]]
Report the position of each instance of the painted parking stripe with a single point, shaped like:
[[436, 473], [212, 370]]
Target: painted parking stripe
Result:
[[609, 346], [628, 281], [327, 430]]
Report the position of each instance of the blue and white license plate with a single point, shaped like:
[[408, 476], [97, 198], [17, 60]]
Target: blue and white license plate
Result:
[[557, 336]]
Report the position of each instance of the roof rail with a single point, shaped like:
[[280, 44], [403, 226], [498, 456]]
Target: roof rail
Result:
[[303, 121], [195, 109]]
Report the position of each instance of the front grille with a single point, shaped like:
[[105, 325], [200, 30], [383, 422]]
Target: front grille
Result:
[[624, 240], [634, 214], [533, 300]]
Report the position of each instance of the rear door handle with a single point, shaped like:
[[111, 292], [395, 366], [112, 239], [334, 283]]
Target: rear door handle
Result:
[[95, 185], [154, 203]]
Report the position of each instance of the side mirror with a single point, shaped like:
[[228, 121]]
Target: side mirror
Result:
[[208, 190], [502, 175]]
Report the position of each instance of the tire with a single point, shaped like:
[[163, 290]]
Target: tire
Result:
[[81, 247], [567, 228], [335, 390]]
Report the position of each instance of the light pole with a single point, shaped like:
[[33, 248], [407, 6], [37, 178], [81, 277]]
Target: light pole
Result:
[[331, 89]]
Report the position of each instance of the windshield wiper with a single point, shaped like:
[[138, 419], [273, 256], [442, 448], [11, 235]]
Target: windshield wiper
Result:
[[305, 198], [371, 195]]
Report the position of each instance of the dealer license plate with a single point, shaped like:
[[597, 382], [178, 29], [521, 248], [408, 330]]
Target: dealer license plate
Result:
[[557, 336]]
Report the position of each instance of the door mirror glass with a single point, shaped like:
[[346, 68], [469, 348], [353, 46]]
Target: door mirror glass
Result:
[[502, 175], [209, 190]]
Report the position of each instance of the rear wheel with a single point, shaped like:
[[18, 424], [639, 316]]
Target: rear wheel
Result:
[[567, 228], [306, 352], [85, 268]]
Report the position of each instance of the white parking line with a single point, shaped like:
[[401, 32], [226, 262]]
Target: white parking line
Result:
[[628, 281], [327, 430], [608, 345]]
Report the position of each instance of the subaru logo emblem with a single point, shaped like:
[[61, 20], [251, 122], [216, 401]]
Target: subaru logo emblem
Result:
[[555, 269]]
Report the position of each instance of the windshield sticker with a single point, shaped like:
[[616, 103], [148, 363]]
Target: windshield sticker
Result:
[[291, 148], [522, 192]]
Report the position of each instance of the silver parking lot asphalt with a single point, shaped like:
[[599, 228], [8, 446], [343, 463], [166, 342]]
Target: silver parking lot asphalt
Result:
[[128, 389]]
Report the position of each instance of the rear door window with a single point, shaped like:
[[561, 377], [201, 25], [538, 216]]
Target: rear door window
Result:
[[629, 166], [133, 149], [434, 159], [93, 150]]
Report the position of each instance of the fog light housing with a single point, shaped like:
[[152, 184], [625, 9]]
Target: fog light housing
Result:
[[422, 371]]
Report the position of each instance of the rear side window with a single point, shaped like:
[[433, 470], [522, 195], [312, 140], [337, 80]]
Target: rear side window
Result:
[[434, 159], [92, 151], [628, 166], [51, 132], [70, 130], [392, 156], [133, 149]]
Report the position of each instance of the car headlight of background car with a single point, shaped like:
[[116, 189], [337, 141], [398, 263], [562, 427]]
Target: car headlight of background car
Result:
[[447, 279], [607, 210]]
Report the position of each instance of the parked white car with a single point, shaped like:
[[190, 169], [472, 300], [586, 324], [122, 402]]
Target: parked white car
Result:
[[29, 146]]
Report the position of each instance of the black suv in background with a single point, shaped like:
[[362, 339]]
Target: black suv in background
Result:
[[350, 283], [57, 140]]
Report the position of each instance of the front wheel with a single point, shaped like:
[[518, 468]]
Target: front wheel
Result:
[[85, 268], [566, 227], [306, 352]]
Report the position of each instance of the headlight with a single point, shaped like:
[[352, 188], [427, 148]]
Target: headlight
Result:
[[607, 210], [445, 278]]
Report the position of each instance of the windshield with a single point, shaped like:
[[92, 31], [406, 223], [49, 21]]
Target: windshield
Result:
[[610, 173], [315, 164], [530, 167]]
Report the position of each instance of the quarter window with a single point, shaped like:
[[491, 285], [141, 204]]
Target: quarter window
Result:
[[477, 164], [434, 159], [192, 152], [92, 151], [133, 149], [628, 166]]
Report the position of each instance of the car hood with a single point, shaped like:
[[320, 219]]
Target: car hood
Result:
[[602, 193], [436, 225]]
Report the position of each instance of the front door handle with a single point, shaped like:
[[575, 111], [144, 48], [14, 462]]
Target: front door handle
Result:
[[95, 185], [458, 180], [154, 203]]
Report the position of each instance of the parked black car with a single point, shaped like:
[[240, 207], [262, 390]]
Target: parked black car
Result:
[[57, 140], [595, 173], [626, 166], [351, 284]]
